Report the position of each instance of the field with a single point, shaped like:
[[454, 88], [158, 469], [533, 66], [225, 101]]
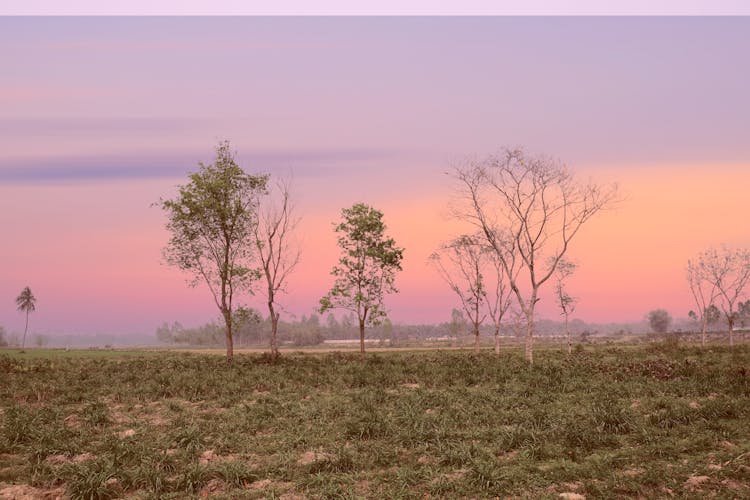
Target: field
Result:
[[655, 421]]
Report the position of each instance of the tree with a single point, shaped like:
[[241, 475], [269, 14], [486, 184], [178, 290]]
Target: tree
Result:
[[729, 271], [3, 340], [278, 257], [704, 292], [26, 302], [565, 301], [212, 221], [498, 295], [743, 313], [529, 209], [457, 323], [659, 320], [367, 267], [460, 263]]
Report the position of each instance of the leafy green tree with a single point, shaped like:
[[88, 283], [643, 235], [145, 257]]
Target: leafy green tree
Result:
[[367, 267], [212, 221], [26, 302], [659, 320]]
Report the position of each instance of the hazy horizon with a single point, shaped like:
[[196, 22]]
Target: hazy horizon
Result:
[[100, 117]]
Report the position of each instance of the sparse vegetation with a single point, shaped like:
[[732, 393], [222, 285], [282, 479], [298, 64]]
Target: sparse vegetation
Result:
[[651, 421]]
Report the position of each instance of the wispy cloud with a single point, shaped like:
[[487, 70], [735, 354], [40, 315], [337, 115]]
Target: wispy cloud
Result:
[[24, 126], [149, 166]]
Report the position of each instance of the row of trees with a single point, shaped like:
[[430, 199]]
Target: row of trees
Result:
[[524, 211], [718, 280]]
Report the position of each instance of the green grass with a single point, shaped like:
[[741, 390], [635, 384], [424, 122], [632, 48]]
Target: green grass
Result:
[[35, 353], [608, 422]]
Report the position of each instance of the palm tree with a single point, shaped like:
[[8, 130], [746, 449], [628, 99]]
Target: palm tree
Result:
[[26, 302]]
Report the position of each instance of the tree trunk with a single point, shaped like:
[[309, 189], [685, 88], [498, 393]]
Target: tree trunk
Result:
[[703, 333], [497, 340], [26, 328], [362, 336], [274, 329], [567, 334], [529, 350], [476, 337], [731, 331], [230, 345]]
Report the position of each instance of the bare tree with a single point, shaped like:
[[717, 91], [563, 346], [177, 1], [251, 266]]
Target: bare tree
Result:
[[565, 301], [276, 251], [729, 271], [460, 264], [704, 291], [528, 208], [498, 295]]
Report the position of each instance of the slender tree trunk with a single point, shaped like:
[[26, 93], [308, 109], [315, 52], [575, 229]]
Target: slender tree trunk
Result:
[[362, 335], [731, 332], [703, 333], [529, 350], [567, 334], [476, 337], [26, 328], [497, 340], [274, 329], [230, 345]]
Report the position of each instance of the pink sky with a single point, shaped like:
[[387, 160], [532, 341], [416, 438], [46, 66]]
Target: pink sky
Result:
[[97, 123]]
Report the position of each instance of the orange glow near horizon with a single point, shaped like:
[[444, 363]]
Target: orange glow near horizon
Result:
[[92, 252]]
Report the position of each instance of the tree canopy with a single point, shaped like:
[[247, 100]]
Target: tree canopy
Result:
[[212, 220], [367, 268]]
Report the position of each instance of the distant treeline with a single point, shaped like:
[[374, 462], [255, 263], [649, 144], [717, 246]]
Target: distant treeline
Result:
[[312, 330]]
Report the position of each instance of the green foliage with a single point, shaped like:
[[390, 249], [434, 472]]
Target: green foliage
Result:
[[96, 413], [211, 222], [659, 320], [611, 421], [26, 302], [367, 267]]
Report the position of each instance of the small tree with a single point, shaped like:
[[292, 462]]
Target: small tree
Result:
[[528, 209], [367, 267], [3, 340], [278, 258], [704, 292], [457, 323], [659, 320], [565, 301], [728, 270], [212, 221], [460, 263], [26, 302], [498, 294]]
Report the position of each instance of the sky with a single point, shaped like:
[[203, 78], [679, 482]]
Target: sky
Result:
[[100, 117]]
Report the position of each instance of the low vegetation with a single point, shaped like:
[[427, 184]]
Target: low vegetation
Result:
[[651, 421]]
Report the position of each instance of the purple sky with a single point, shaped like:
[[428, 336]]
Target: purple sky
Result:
[[101, 116]]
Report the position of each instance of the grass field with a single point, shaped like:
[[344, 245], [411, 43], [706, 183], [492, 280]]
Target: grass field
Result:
[[653, 421]]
